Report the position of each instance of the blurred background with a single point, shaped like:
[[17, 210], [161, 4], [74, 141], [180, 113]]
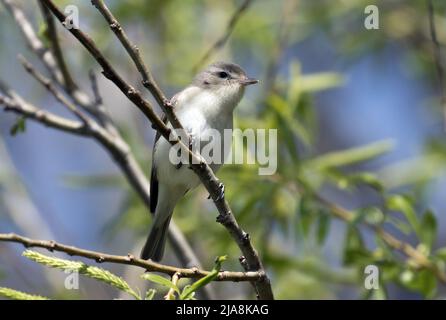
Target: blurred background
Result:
[[359, 124]]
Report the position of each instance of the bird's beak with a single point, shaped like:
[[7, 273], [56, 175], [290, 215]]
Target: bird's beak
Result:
[[248, 81]]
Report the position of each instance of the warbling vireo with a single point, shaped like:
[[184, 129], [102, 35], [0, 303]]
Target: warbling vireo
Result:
[[208, 103]]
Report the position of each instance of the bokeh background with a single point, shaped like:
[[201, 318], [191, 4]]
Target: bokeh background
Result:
[[359, 122]]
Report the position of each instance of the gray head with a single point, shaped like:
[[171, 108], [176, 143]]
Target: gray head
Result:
[[223, 74]]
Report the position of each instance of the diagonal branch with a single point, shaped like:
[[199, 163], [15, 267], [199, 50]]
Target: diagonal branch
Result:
[[51, 35], [148, 265], [201, 168], [52, 89], [147, 79], [46, 118], [420, 258], [109, 137]]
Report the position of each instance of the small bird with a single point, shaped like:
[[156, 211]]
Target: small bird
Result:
[[208, 103]]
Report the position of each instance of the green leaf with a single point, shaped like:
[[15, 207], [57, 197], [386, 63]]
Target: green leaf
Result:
[[150, 294], [161, 281], [19, 126], [323, 227], [423, 281], [428, 229], [402, 204], [19, 295], [354, 249], [320, 81], [441, 253], [188, 291], [283, 110], [351, 156], [82, 268]]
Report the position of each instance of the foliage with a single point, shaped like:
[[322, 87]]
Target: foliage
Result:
[[310, 250]]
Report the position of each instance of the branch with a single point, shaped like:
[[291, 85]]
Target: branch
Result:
[[109, 138], [51, 34], [147, 79], [46, 118], [406, 249], [52, 89], [225, 36], [148, 265], [201, 168], [437, 58]]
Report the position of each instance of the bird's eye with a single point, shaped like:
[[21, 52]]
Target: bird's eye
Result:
[[223, 74]]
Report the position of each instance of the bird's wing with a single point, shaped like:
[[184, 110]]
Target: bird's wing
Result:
[[153, 176]]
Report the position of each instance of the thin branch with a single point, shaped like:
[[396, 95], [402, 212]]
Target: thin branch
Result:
[[51, 34], [437, 58], [46, 118], [199, 166], [95, 88], [109, 138], [33, 41], [420, 258], [225, 36], [52, 89], [147, 79], [148, 265]]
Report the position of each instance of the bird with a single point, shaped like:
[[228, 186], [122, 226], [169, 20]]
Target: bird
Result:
[[206, 105]]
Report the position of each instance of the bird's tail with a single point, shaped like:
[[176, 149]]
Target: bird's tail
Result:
[[155, 243]]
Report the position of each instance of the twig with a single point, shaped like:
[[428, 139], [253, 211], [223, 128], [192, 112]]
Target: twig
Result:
[[201, 168], [406, 249], [46, 118], [52, 89], [51, 34], [109, 138], [225, 36], [95, 88], [147, 79], [437, 58], [148, 265]]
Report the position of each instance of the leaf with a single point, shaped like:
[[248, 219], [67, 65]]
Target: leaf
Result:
[[402, 204], [160, 280], [323, 227], [283, 110], [150, 294], [423, 281], [19, 126], [188, 291], [428, 229], [351, 156], [441, 253], [354, 249], [19, 295], [320, 81], [82, 268]]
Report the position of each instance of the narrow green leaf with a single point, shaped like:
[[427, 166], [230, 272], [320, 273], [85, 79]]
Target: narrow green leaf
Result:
[[188, 291], [401, 204], [82, 268], [19, 126], [160, 280], [19, 295], [323, 227], [428, 229], [351, 156], [150, 294]]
